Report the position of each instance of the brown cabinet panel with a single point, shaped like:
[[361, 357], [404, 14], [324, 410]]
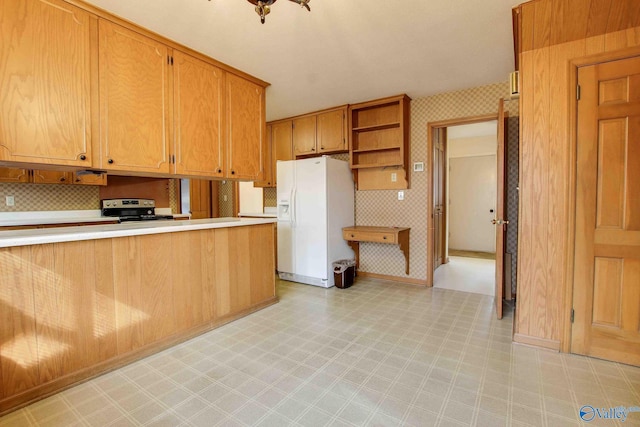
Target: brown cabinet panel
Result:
[[304, 136], [51, 177], [14, 175], [90, 179], [269, 168], [331, 132], [45, 90], [198, 116], [17, 322], [134, 101], [246, 127]]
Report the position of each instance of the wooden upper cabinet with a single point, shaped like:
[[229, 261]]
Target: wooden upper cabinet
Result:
[[134, 101], [246, 150], [304, 136], [282, 145], [45, 82], [198, 89], [331, 132], [14, 175]]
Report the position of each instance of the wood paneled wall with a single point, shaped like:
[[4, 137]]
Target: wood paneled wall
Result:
[[555, 33]]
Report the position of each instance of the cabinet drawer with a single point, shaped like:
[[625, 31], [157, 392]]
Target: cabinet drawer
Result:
[[369, 236]]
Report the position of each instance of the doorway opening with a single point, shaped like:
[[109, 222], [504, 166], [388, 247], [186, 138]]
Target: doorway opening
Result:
[[438, 204], [468, 248]]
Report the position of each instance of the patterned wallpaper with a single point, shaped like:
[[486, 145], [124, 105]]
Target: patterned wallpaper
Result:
[[383, 207], [55, 197], [225, 207], [270, 197]]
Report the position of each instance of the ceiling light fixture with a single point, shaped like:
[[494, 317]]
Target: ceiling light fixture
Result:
[[263, 7]]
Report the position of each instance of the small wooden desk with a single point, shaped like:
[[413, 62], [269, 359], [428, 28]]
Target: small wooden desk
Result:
[[392, 235]]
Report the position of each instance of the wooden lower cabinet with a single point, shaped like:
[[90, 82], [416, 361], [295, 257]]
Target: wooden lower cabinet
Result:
[[70, 311]]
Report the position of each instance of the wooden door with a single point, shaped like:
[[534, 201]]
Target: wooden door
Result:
[[246, 128], [45, 82], [500, 223], [134, 101], [282, 145], [331, 132], [200, 198], [51, 177], [198, 116], [606, 286], [14, 175], [438, 197], [304, 136]]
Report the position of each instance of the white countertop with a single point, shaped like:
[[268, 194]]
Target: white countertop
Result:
[[108, 231]]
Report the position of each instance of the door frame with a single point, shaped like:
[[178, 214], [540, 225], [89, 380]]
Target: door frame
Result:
[[431, 128], [574, 65]]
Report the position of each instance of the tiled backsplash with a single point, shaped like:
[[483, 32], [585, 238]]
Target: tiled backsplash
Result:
[[55, 197]]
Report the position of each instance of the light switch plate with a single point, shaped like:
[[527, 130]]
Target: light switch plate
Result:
[[400, 195], [394, 177], [10, 201], [418, 167]]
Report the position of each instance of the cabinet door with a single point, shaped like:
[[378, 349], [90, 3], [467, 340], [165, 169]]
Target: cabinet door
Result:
[[269, 166], [282, 134], [331, 135], [45, 91], [51, 177], [90, 179], [14, 175], [134, 101], [198, 116], [246, 128], [304, 136]]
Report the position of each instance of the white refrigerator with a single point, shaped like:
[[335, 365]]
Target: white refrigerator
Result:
[[315, 201]]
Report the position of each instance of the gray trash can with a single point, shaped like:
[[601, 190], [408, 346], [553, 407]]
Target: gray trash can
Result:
[[344, 272]]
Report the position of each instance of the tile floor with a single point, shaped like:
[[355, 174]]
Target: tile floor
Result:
[[467, 275], [379, 354]]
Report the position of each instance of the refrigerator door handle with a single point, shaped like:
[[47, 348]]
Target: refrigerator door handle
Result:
[[293, 206]]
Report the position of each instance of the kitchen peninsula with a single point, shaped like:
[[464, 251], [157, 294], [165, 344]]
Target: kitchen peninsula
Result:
[[79, 301]]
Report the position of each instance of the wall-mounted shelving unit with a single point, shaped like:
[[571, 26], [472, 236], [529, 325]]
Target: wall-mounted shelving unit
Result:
[[379, 139]]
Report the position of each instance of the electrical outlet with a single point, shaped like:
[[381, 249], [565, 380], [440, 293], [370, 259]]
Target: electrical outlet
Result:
[[400, 195], [394, 177], [10, 201], [224, 198]]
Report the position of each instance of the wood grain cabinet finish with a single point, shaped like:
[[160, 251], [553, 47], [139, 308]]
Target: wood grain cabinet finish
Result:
[[304, 136], [134, 101], [198, 89], [14, 175], [73, 310], [50, 177], [280, 148], [269, 176], [246, 126], [45, 82], [331, 131], [320, 133]]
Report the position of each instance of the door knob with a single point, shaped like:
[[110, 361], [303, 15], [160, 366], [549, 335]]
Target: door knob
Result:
[[499, 221]]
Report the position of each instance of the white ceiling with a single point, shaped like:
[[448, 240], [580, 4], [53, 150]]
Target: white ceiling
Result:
[[343, 51]]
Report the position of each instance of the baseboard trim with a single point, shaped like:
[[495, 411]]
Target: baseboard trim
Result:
[[537, 342], [406, 280], [17, 401]]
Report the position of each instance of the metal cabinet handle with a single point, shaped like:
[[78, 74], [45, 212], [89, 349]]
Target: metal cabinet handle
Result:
[[110, 161], [83, 157]]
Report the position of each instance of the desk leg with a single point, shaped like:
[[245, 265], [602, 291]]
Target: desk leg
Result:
[[356, 249], [403, 240]]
